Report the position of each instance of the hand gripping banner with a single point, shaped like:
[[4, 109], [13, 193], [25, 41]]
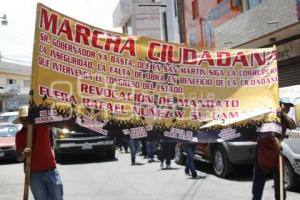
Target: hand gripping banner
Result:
[[120, 85]]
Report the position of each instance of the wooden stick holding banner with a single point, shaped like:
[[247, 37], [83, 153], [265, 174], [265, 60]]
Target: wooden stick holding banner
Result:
[[28, 163], [30, 124], [280, 160], [281, 177]]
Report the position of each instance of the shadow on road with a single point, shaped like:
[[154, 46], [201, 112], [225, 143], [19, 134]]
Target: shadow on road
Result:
[[241, 173], [9, 162], [204, 167], [84, 158], [172, 168]]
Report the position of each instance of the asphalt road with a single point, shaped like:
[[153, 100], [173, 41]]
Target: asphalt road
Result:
[[90, 178]]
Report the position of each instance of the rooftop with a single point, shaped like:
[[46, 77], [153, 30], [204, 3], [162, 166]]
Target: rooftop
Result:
[[15, 68]]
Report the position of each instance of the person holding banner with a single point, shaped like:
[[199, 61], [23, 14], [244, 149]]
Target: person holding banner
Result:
[[45, 181], [267, 154]]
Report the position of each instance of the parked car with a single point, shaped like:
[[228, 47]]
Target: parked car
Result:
[[10, 117], [291, 153], [291, 146], [223, 156], [7, 141], [72, 142]]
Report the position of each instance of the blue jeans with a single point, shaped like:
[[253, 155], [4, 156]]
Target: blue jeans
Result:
[[149, 147], [133, 146], [189, 164], [259, 179], [46, 185]]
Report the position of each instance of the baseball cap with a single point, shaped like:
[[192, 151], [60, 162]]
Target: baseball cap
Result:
[[286, 101]]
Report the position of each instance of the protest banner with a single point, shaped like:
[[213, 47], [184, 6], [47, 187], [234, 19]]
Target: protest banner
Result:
[[120, 85]]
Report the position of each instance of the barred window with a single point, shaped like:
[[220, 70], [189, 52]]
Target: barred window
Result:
[[11, 81]]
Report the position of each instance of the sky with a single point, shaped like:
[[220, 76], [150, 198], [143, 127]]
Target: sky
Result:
[[16, 39]]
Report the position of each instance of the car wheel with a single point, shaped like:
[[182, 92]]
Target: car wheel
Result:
[[111, 154], [221, 165], [179, 157], [290, 177]]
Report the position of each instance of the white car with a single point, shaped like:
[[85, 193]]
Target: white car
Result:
[[291, 146], [10, 117], [291, 153]]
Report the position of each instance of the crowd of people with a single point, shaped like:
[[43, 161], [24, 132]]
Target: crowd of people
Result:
[[164, 150], [45, 181]]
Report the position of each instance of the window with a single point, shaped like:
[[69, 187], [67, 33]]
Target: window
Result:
[[175, 8], [11, 81], [195, 9], [128, 28], [165, 26], [253, 3], [235, 4], [26, 83]]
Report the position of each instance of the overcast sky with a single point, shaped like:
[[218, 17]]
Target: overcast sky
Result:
[[16, 39]]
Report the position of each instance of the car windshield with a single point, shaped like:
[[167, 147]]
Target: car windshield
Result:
[[8, 131], [9, 118]]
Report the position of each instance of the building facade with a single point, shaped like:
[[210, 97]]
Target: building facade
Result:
[[150, 18], [270, 22], [201, 17], [14, 86], [248, 24]]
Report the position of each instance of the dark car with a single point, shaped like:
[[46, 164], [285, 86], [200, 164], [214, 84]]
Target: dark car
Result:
[[72, 142], [223, 155], [7, 141]]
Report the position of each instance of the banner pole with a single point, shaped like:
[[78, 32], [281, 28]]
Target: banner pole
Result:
[[28, 163], [280, 160], [281, 176], [30, 116]]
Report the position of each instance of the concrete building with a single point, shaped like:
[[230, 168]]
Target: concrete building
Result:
[[269, 22], [201, 17], [14, 86], [248, 24], [150, 18]]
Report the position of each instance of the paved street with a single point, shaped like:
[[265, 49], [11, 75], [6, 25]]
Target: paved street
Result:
[[92, 179]]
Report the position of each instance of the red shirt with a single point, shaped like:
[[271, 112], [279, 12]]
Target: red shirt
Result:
[[42, 157]]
